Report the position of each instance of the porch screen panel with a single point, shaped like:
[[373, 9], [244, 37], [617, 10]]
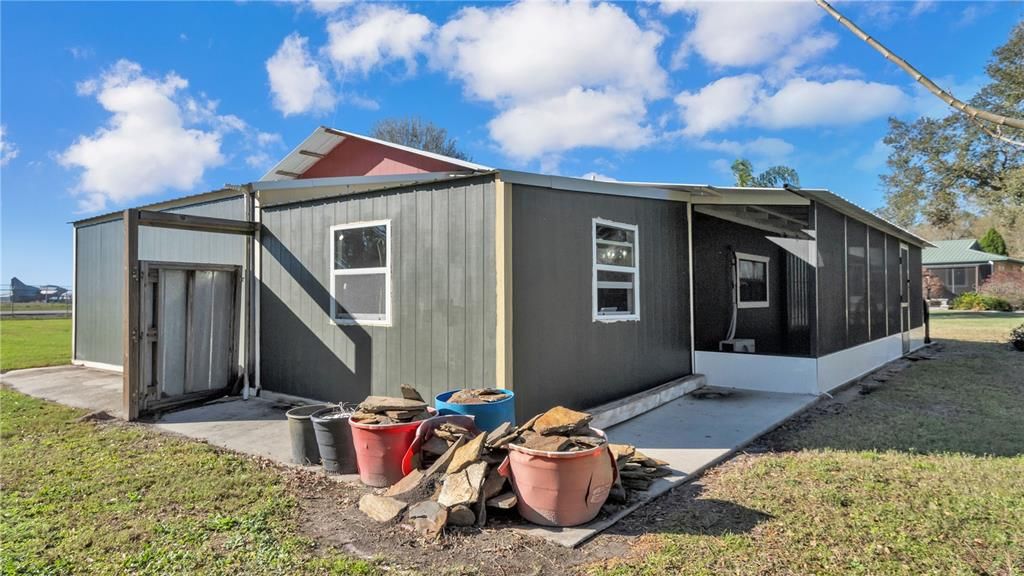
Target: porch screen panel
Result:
[[917, 288], [892, 283], [856, 282], [876, 282], [831, 280]]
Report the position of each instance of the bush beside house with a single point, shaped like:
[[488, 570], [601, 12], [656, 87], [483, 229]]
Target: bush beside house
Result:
[[976, 301], [1005, 285]]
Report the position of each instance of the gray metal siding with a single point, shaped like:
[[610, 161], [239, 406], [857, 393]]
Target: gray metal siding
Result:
[[99, 284], [560, 354], [442, 332]]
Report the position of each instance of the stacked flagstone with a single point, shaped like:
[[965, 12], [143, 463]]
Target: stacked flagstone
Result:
[[458, 478]]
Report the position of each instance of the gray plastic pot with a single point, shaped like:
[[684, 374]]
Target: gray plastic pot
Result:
[[300, 429], [334, 439]]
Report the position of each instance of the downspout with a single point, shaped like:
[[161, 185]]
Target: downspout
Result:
[[257, 243]]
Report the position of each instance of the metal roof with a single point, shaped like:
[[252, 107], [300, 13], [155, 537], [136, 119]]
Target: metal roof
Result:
[[181, 201], [324, 139], [963, 251]]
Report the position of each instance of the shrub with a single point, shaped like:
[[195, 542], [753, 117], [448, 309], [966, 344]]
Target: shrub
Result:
[[1006, 285], [1017, 337], [975, 301]]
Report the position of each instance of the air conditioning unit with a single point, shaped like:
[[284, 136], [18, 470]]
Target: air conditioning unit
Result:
[[737, 345]]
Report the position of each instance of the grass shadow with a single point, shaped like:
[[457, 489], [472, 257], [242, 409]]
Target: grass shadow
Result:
[[966, 398], [684, 511]]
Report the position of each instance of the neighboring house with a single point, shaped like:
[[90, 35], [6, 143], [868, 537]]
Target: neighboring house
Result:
[[355, 266], [962, 265]]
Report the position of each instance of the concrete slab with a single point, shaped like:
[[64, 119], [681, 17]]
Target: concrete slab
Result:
[[691, 435], [75, 386], [256, 426]]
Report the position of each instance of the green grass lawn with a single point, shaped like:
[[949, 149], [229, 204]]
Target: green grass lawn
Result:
[[925, 475], [84, 498], [922, 476], [28, 343]]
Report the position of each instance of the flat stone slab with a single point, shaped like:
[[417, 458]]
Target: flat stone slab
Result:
[[691, 435]]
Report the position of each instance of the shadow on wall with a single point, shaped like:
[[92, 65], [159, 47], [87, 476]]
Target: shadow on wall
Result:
[[296, 357], [967, 399], [683, 511]]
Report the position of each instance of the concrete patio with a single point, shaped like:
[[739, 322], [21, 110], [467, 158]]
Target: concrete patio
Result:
[[690, 434]]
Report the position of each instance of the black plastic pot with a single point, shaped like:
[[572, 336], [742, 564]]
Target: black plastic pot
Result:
[[300, 429], [334, 439]]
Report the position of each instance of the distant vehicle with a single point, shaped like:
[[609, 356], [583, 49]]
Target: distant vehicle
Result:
[[21, 292]]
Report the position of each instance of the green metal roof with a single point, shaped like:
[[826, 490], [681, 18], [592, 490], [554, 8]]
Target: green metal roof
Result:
[[959, 252]]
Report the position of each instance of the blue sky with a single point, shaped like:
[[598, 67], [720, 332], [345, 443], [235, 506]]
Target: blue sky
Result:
[[108, 105]]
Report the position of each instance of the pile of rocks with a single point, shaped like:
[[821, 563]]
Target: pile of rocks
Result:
[[477, 396], [391, 410], [636, 471], [457, 479]]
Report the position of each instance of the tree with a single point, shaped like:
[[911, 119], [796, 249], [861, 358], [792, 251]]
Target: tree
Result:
[[774, 177], [944, 170], [993, 243], [417, 133]]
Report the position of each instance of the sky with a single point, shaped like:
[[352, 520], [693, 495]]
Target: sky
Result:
[[110, 105]]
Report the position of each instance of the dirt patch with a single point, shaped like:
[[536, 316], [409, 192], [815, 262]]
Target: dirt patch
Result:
[[331, 518]]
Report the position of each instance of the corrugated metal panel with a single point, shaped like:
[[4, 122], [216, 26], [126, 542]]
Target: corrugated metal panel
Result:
[[100, 261], [442, 329], [958, 252], [560, 354]]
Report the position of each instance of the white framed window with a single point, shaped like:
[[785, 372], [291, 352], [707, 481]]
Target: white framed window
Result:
[[752, 281], [360, 267], [616, 271]]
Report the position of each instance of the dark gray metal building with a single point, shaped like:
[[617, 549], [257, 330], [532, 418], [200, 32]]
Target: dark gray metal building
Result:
[[374, 265]]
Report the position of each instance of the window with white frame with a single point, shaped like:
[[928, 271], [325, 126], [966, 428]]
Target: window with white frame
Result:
[[751, 281], [361, 272], [616, 271]]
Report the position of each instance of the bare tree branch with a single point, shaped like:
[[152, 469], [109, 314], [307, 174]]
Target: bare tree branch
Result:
[[965, 108]]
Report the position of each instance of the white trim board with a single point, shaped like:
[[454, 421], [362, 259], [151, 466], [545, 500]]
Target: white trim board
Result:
[[788, 374], [799, 375], [843, 366]]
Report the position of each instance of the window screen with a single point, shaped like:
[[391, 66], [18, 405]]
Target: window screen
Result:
[[360, 274], [616, 271], [751, 281]]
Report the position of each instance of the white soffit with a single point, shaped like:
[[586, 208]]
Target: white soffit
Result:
[[309, 152]]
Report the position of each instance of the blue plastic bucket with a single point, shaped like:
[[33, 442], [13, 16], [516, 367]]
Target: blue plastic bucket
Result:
[[488, 416]]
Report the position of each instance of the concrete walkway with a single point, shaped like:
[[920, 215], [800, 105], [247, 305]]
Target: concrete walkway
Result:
[[75, 386], [256, 426], [691, 435]]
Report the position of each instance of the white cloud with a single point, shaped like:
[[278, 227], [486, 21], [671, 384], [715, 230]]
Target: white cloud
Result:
[[745, 100], [377, 36], [81, 52], [598, 177], [297, 83], [8, 149], [576, 119], [721, 104], [581, 76], [751, 33], [801, 103], [873, 159], [146, 146], [922, 6], [539, 50], [327, 7], [760, 148]]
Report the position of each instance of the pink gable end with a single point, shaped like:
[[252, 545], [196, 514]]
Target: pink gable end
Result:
[[355, 157]]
